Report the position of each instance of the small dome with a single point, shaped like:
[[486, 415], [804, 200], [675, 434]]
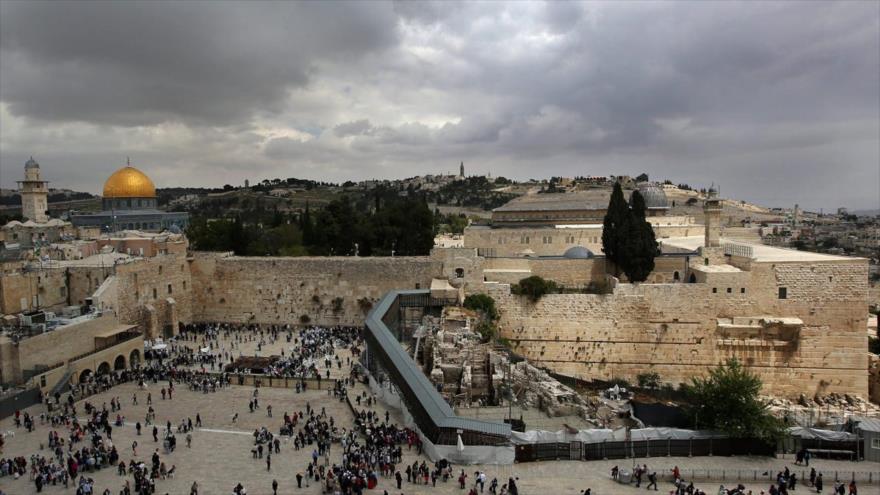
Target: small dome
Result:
[[31, 163], [129, 182], [578, 253], [655, 197]]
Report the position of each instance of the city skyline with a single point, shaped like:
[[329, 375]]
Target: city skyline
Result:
[[778, 102]]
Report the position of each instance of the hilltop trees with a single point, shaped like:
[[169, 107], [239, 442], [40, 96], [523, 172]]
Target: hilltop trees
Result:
[[627, 238]]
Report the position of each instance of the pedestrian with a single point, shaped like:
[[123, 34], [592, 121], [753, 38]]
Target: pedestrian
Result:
[[819, 483], [299, 480], [274, 487], [194, 489], [652, 481]]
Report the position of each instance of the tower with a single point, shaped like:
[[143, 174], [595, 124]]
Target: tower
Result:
[[34, 193], [712, 211], [461, 171]]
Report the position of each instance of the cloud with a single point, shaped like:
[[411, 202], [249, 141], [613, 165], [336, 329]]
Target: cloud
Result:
[[213, 93]]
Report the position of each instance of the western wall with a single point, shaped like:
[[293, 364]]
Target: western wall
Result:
[[330, 291]]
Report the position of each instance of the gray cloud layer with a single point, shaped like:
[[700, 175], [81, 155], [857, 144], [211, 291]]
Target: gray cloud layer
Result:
[[779, 102]]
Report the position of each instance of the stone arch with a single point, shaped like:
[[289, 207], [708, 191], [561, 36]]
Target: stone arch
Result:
[[134, 359], [84, 375], [676, 276], [692, 279], [103, 368], [119, 363]]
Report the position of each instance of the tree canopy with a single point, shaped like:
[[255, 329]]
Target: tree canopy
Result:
[[627, 237], [728, 400]]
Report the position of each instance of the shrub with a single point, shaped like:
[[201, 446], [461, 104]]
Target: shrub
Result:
[[337, 304], [482, 303], [365, 304], [487, 330], [534, 287], [649, 380]]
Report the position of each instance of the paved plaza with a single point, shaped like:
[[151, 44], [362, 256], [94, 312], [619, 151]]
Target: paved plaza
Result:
[[220, 455]]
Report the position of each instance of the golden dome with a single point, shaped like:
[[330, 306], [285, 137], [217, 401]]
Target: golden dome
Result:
[[129, 182]]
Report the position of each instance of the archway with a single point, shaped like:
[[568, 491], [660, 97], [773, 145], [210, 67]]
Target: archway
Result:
[[104, 368], [692, 279], [84, 375], [119, 363], [675, 276], [134, 359]]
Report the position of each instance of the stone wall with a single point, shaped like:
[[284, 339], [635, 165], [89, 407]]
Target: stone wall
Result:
[[673, 329], [552, 241], [155, 293], [26, 290], [336, 290]]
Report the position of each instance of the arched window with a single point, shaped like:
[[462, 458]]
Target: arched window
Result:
[[692, 279], [675, 276], [459, 272]]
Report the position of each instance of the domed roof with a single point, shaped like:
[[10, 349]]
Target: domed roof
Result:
[[129, 182], [655, 197], [31, 164], [578, 253]]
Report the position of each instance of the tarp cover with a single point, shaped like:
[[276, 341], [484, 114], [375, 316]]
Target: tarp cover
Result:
[[826, 435], [605, 435]]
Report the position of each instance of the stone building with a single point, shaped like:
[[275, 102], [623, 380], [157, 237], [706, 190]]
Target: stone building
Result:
[[129, 202]]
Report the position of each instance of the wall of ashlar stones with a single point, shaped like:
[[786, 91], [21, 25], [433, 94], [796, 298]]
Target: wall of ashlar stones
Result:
[[155, 293], [671, 329], [281, 290]]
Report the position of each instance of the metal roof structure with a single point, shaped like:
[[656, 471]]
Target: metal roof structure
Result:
[[418, 392]]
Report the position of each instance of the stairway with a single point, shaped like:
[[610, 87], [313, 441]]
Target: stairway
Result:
[[63, 382]]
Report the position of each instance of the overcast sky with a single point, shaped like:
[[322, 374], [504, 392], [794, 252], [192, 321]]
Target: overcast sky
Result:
[[777, 102]]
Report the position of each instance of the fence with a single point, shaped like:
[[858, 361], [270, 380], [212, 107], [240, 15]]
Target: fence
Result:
[[643, 448]]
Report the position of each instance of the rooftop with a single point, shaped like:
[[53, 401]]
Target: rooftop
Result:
[[760, 252], [594, 199]]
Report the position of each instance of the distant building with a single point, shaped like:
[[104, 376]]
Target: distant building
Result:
[[129, 202], [34, 194]]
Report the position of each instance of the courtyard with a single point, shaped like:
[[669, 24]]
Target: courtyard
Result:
[[220, 455]]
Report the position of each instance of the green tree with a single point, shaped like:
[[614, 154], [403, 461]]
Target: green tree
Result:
[[533, 287], [614, 226], [639, 246], [482, 303], [728, 401]]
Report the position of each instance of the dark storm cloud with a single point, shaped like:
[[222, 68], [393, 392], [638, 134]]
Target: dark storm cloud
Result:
[[139, 63], [763, 97]]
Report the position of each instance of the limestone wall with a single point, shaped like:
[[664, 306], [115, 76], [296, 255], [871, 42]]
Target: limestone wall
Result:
[[155, 293], [672, 329], [551, 241], [280, 290]]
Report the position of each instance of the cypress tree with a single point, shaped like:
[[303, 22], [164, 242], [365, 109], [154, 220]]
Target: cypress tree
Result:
[[614, 226], [640, 245]]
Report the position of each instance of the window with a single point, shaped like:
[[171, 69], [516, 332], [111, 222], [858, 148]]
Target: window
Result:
[[184, 285], [875, 443], [459, 272], [676, 276], [155, 293], [418, 286], [783, 293], [547, 239], [729, 290], [169, 288], [742, 290], [714, 290]]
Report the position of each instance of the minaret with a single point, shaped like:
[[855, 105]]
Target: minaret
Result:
[[712, 211], [461, 171], [34, 193]]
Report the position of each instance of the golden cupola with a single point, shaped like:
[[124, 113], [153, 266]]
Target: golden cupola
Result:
[[129, 182]]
